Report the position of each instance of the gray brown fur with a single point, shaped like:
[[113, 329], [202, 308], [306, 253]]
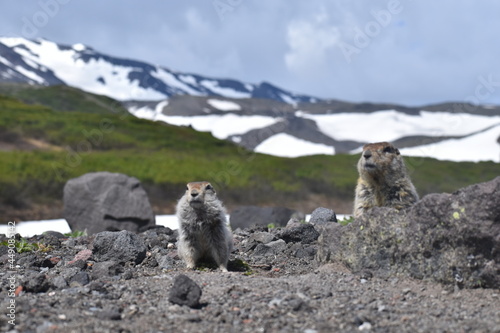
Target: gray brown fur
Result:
[[383, 179], [203, 231]]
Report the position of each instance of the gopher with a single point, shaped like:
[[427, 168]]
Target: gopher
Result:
[[203, 231], [383, 179]]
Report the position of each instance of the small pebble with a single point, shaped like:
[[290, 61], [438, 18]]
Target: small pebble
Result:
[[366, 326]]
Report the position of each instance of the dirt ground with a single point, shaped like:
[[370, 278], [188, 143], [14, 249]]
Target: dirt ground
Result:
[[281, 289]]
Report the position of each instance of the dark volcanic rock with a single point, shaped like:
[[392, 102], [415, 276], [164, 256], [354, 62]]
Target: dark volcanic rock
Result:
[[304, 233], [272, 248], [122, 246], [246, 216], [261, 237], [104, 201], [323, 215], [185, 292], [36, 283], [79, 279], [448, 238], [105, 269]]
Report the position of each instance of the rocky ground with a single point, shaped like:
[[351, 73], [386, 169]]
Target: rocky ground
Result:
[[124, 282]]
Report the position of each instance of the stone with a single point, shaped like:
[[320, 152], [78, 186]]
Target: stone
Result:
[[111, 314], [305, 252], [448, 238], [271, 248], [36, 283], [123, 246], [59, 282], [79, 279], [68, 272], [261, 237], [50, 240], [106, 269], [322, 215], [164, 261], [246, 216], [185, 291], [83, 255], [56, 234], [104, 201], [304, 233]]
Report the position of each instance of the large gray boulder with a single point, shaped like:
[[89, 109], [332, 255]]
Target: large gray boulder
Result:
[[104, 201], [323, 215], [246, 216], [448, 238]]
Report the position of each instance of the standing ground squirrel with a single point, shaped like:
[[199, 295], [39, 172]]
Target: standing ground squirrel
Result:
[[203, 231], [383, 179]]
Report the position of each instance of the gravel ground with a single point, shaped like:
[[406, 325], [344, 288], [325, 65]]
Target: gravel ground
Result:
[[282, 290]]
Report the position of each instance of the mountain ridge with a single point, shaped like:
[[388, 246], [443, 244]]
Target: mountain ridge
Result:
[[43, 62]]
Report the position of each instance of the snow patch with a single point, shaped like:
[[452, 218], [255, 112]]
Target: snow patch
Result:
[[221, 126], [160, 106], [285, 145], [79, 47], [474, 148], [172, 81], [288, 99], [392, 125], [227, 92], [29, 74], [189, 79], [224, 105], [5, 61]]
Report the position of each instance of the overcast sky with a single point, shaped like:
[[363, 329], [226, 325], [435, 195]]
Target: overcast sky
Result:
[[411, 52]]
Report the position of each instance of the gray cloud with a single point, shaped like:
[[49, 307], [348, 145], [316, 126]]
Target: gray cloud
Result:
[[412, 52]]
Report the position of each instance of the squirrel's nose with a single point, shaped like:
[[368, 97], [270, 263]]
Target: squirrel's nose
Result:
[[194, 194], [367, 154]]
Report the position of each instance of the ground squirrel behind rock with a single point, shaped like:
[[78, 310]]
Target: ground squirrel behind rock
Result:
[[203, 231], [383, 179]]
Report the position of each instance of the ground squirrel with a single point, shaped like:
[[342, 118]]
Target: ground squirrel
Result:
[[203, 231], [383, 179]]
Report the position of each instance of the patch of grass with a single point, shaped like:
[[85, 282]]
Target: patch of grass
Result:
[[62, 98], [23, 245], [238, 265], [346, 220], [76, 233]]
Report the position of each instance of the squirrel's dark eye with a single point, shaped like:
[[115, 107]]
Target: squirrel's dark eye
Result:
[[388, 149], [187, 188], [209, 187]]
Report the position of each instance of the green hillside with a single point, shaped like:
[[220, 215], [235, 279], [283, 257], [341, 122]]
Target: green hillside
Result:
[[42, 145]]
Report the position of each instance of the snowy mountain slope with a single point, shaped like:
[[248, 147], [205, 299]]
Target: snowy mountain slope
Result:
[[259, 117], [284, 130], [46, 63]]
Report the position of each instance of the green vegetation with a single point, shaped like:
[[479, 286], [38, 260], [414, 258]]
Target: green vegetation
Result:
[[105, 137], [346, 220], [76, 233], [238, 265], [23, 245], [62, 98]]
